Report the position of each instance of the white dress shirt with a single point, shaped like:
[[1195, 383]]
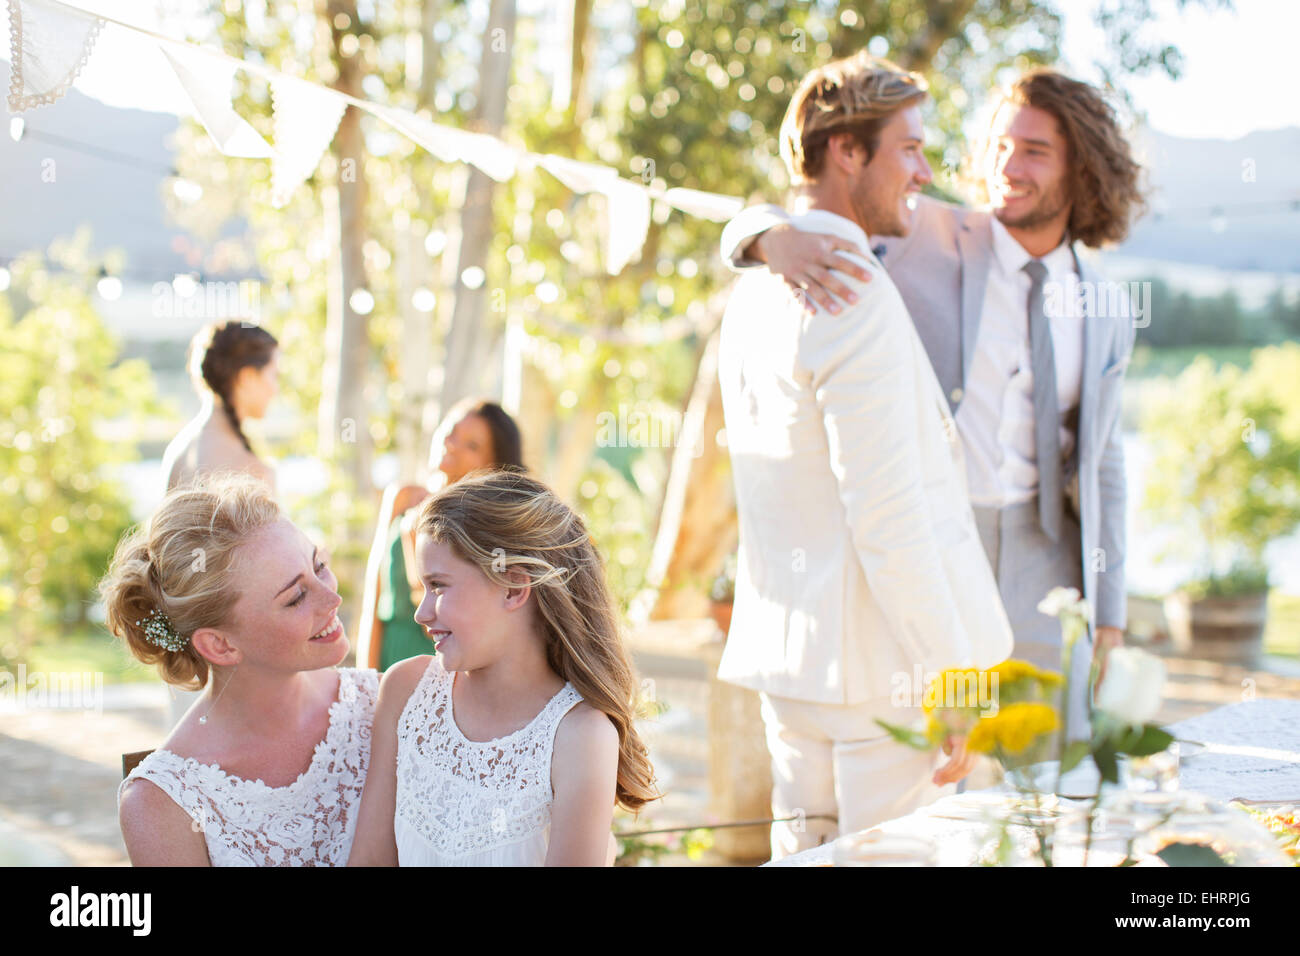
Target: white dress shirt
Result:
[[996, 417]]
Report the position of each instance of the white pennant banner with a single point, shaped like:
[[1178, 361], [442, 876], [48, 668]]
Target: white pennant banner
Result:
[[48, 44], [629, 221], [489, 154], [52, 42], [579, 176], [627, 206], [704, 205], [306, 118], [207, 81]]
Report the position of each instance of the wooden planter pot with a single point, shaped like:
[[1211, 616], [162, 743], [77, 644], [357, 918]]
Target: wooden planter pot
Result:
[[720, 611], [1229, 630]]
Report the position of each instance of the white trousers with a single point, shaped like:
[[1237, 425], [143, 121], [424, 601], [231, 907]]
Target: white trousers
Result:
[[835, 761]]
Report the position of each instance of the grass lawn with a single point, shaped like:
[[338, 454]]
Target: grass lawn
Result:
[[1282, 633], [89, 649]]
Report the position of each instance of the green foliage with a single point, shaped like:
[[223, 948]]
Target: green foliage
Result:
[[89, 649], [1227, 461], [1074, 753], [723, 589], [654, 850], [1179, 318], [908, 737], [63, 392], [1190, 854], [681, 94], [1238, 579], [1109, 740]]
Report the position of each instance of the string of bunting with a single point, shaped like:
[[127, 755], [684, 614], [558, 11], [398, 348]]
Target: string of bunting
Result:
[[54, 46]]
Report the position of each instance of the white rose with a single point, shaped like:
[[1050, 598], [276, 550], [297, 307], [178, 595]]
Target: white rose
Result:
[[1134, 683], [1069, 600]]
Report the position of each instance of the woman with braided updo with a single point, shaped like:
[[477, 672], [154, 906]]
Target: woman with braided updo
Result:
[[223, 593], [235, 371]]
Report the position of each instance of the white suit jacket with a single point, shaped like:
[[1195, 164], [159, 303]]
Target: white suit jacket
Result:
[[859, 557], [941, 269]]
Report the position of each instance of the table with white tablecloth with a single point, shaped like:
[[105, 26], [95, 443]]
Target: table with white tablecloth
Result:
[[1248, 751]]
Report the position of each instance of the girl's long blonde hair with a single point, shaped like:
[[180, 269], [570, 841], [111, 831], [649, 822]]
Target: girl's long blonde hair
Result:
[[504, 521]]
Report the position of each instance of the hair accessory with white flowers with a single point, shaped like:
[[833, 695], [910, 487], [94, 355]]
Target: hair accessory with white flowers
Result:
[[158, 630]]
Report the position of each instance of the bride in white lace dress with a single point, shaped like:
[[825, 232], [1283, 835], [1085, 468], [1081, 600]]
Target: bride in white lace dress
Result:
[[514, 744], [268, 766]]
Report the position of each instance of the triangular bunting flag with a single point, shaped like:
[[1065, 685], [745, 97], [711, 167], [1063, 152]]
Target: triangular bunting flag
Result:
[[579, 176], [207, 81], [306, 118], [48, 46], [491, 155], [629, 221], [705, 205]]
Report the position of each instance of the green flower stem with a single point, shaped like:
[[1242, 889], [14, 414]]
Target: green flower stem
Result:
[[1072, 626], [1092, 813]]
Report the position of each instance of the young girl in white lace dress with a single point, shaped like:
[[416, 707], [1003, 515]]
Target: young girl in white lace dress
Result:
[[220, 590], [514, 743]]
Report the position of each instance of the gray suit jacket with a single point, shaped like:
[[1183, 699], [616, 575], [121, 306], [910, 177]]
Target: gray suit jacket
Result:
[[941, 268]]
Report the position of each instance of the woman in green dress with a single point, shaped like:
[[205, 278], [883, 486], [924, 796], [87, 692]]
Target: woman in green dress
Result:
[[474, 434]]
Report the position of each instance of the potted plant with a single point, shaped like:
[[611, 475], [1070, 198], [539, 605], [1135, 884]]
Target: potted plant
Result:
[[722, 593], [1226, 468]]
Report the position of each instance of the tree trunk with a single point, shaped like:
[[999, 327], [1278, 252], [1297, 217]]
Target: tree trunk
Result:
[[416, 352], [466, 341], [430, 10], [344, 427], [416, 355], [697, 525]]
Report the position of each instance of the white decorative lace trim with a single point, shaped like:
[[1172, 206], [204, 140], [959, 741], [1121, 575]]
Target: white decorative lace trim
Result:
[[18, 101], [464, 796], [310, 822]]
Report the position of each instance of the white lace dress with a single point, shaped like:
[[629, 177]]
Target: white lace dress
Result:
[[466, 803], [310, 822]]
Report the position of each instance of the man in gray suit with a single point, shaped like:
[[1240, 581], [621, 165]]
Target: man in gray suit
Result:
[[1029, 346]]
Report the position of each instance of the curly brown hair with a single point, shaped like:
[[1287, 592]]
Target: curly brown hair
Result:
[[1103, 178]]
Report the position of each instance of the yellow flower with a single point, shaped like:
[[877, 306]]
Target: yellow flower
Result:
[[935, 730], [1013, 670], [1013, 728], [948, 690]]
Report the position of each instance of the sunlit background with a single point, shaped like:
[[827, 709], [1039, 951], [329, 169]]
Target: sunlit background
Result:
[[119, 216]]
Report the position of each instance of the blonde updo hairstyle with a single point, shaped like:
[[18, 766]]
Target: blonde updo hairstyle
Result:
[[182, 562], [504, 522]]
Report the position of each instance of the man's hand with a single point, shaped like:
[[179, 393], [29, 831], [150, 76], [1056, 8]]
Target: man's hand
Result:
[[1105, 640], [805, 260], [961, 763]]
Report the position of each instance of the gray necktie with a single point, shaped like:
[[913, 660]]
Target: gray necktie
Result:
[[1047, 418]]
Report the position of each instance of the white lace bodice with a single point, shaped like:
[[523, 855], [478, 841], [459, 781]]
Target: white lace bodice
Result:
[[467, 803], [310, 822]]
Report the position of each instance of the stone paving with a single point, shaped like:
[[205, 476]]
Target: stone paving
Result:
[[59, 770]]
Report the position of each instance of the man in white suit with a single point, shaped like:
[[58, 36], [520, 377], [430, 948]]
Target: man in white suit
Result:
[[1023, 335], [860, 564]]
